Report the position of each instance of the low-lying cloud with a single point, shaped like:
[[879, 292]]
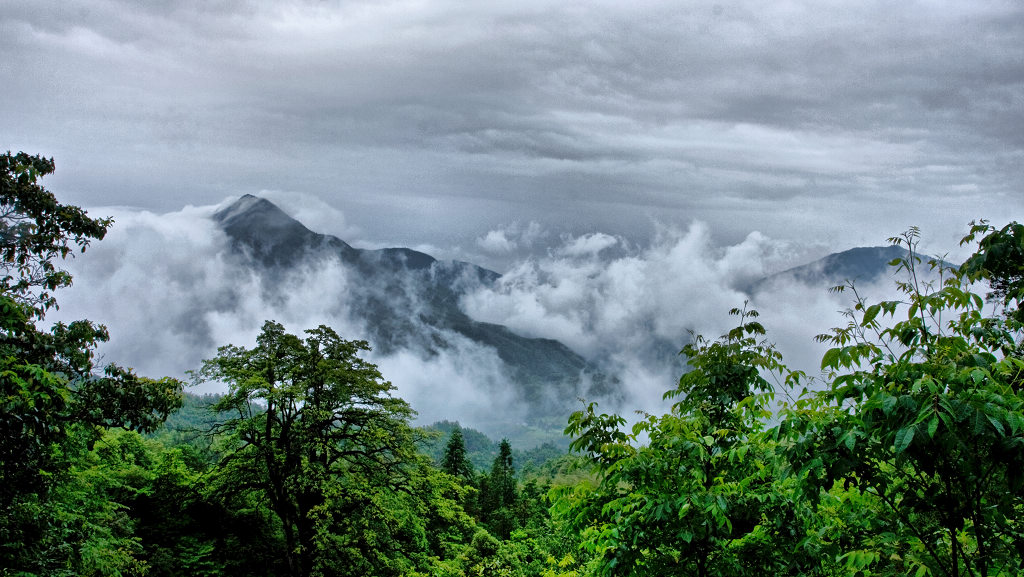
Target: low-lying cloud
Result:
[[171, 291], [631, 309]]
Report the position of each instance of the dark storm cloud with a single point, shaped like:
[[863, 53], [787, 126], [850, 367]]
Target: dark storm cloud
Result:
[[436, 122]]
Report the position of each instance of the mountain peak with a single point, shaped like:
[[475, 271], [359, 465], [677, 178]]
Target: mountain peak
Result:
[[861, 263], [253, 208], [260, 226], [407, 300]]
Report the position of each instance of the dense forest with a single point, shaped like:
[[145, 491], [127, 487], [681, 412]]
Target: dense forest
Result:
[[905, 457]]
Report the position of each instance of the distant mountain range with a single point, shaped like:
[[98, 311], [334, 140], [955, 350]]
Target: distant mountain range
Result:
[[861, 265], [408, 300]]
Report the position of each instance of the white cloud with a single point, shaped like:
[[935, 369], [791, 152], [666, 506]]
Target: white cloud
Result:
[[313, 212], [632, 312], [497, 241], [467, 383], [587, 245], [170, 292], [513, 238]]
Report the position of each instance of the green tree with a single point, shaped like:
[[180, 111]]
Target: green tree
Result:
[[921, 422], [690, 492], [36, 230], [498, 494], [999, 259], [56, 403], [503, 476], [455, 462], [318, 434]]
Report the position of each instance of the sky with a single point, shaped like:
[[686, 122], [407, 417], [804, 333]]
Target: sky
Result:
[[460, 127], [626, 166]]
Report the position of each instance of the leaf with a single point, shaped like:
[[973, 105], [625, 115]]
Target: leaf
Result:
[[977, 301], [830, 358], [870, 314], [997, 425], [903, 438], [850, 439], [933, 426], [888, 404], [1015, 421]]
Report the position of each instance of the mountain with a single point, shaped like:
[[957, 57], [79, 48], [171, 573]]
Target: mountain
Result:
[[861, 265], [409, 301], [406, 301]]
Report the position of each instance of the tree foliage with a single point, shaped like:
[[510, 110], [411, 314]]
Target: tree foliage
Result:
[[36, 230], [923, 417], [907, 459], [689, 492], [999, 260], [56, 403], [455, 462], [499, 493], [320, 436]]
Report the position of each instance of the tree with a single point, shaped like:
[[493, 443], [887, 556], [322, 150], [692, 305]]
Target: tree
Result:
[[498, 493], [690, 492], [55, 401], [319, 436], [455, 462], [999, 260], [35, 230], [922, 421], [48, 378], [503, 476]]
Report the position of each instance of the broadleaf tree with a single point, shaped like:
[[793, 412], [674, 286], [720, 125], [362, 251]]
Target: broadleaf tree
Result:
[[319, 435], [922, 418], [690, 492], [56, 402], [999, 260]]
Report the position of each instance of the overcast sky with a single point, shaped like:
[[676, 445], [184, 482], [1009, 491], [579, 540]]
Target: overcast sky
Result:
[[476, 126]]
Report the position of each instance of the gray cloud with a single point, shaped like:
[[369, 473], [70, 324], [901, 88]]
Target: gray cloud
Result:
[[438, 122]]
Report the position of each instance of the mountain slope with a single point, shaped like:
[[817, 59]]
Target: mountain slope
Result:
[[409, 301], [861, 265]]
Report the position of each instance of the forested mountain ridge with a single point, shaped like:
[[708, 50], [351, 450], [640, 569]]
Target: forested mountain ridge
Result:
[[409, 300]]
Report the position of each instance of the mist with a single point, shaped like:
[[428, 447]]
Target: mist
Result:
[[632, 309], [171, 290]]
